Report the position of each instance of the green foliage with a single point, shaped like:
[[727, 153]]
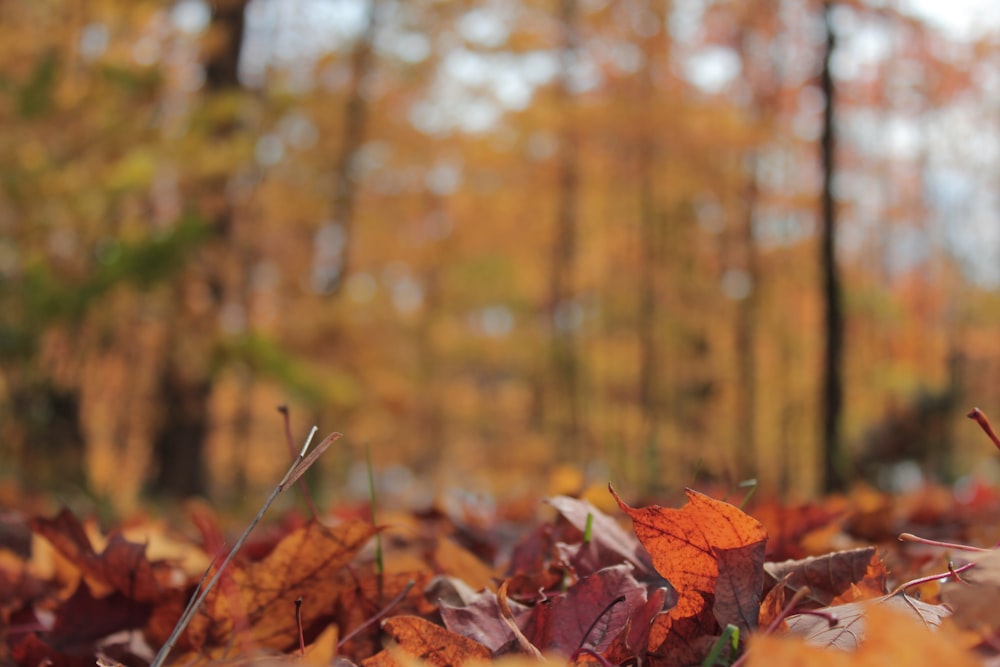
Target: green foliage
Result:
[[35, 97], [269, 360], [41, 297]]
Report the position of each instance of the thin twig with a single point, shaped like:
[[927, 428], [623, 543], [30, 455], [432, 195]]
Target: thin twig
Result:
[[294, 472], [952, 572], [979, 417], [910, 537], [290, 442]]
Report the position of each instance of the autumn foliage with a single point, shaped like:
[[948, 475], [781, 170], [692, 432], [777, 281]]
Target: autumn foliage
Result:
[[705, 583]]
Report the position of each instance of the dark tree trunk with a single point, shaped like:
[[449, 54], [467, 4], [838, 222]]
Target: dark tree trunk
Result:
[[355, 124], [222, 65], [833, 323], [564, 358], [48, 434], [179, 444]]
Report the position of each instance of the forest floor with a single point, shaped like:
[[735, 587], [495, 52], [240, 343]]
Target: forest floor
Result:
[[859, 578]]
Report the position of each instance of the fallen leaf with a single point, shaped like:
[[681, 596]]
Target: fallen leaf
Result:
[[31, 650], [685, 544], [633, 644], [590, 614], [900, 640], [610, 544], [84, 619], [364, 594], [303, 565], [974, 600], [739, 586], [849, 625], [830, 578], [428, 642], [836, 578], [481, 620], [787, 526], [122, 566], [452, 559]]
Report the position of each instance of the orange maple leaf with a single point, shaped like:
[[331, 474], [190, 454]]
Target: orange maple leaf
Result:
[[686, 546]]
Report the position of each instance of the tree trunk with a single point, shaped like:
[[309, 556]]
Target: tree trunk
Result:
[[47, 433], [833, 323], [561, 307], [649, 392], [179, 444], [746, 336], [332, 270]]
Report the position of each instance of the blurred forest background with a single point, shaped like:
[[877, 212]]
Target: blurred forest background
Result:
[[658, 241]]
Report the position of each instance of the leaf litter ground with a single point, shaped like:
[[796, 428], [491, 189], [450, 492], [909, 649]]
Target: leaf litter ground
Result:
[[700, 583]]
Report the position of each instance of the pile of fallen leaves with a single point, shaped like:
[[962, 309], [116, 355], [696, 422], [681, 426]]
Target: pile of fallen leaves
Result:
[[703, 584]]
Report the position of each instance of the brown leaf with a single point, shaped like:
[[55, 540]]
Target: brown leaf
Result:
[[610, 543], [589, 614], [481, 620], [454, 560], [974, 603], [122, 567], [262, 595], [739, 586], [787, 526], [83, 619], [365, 594], [31, 650], [684, 544], [633, 644], [837, 578], [430, 643], [849, 627], [682, 640], [830, 578], [900, 640]]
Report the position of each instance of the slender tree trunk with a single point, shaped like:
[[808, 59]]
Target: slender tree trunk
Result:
[[649, 362], [746, 335], [179, 444], [565, 360], [833, 323], [46, 432], [335, 269]]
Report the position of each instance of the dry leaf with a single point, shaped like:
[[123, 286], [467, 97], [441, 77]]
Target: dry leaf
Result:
[[899, 640]]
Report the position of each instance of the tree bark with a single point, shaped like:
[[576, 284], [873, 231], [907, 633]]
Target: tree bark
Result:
[[562, 324], [179, 444], [746, 334], [833, 321], [355, 123]]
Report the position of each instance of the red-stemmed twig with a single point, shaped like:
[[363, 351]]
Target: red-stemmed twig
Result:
[[910, 537], [952, 572], [788, 609], [979, 417]]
